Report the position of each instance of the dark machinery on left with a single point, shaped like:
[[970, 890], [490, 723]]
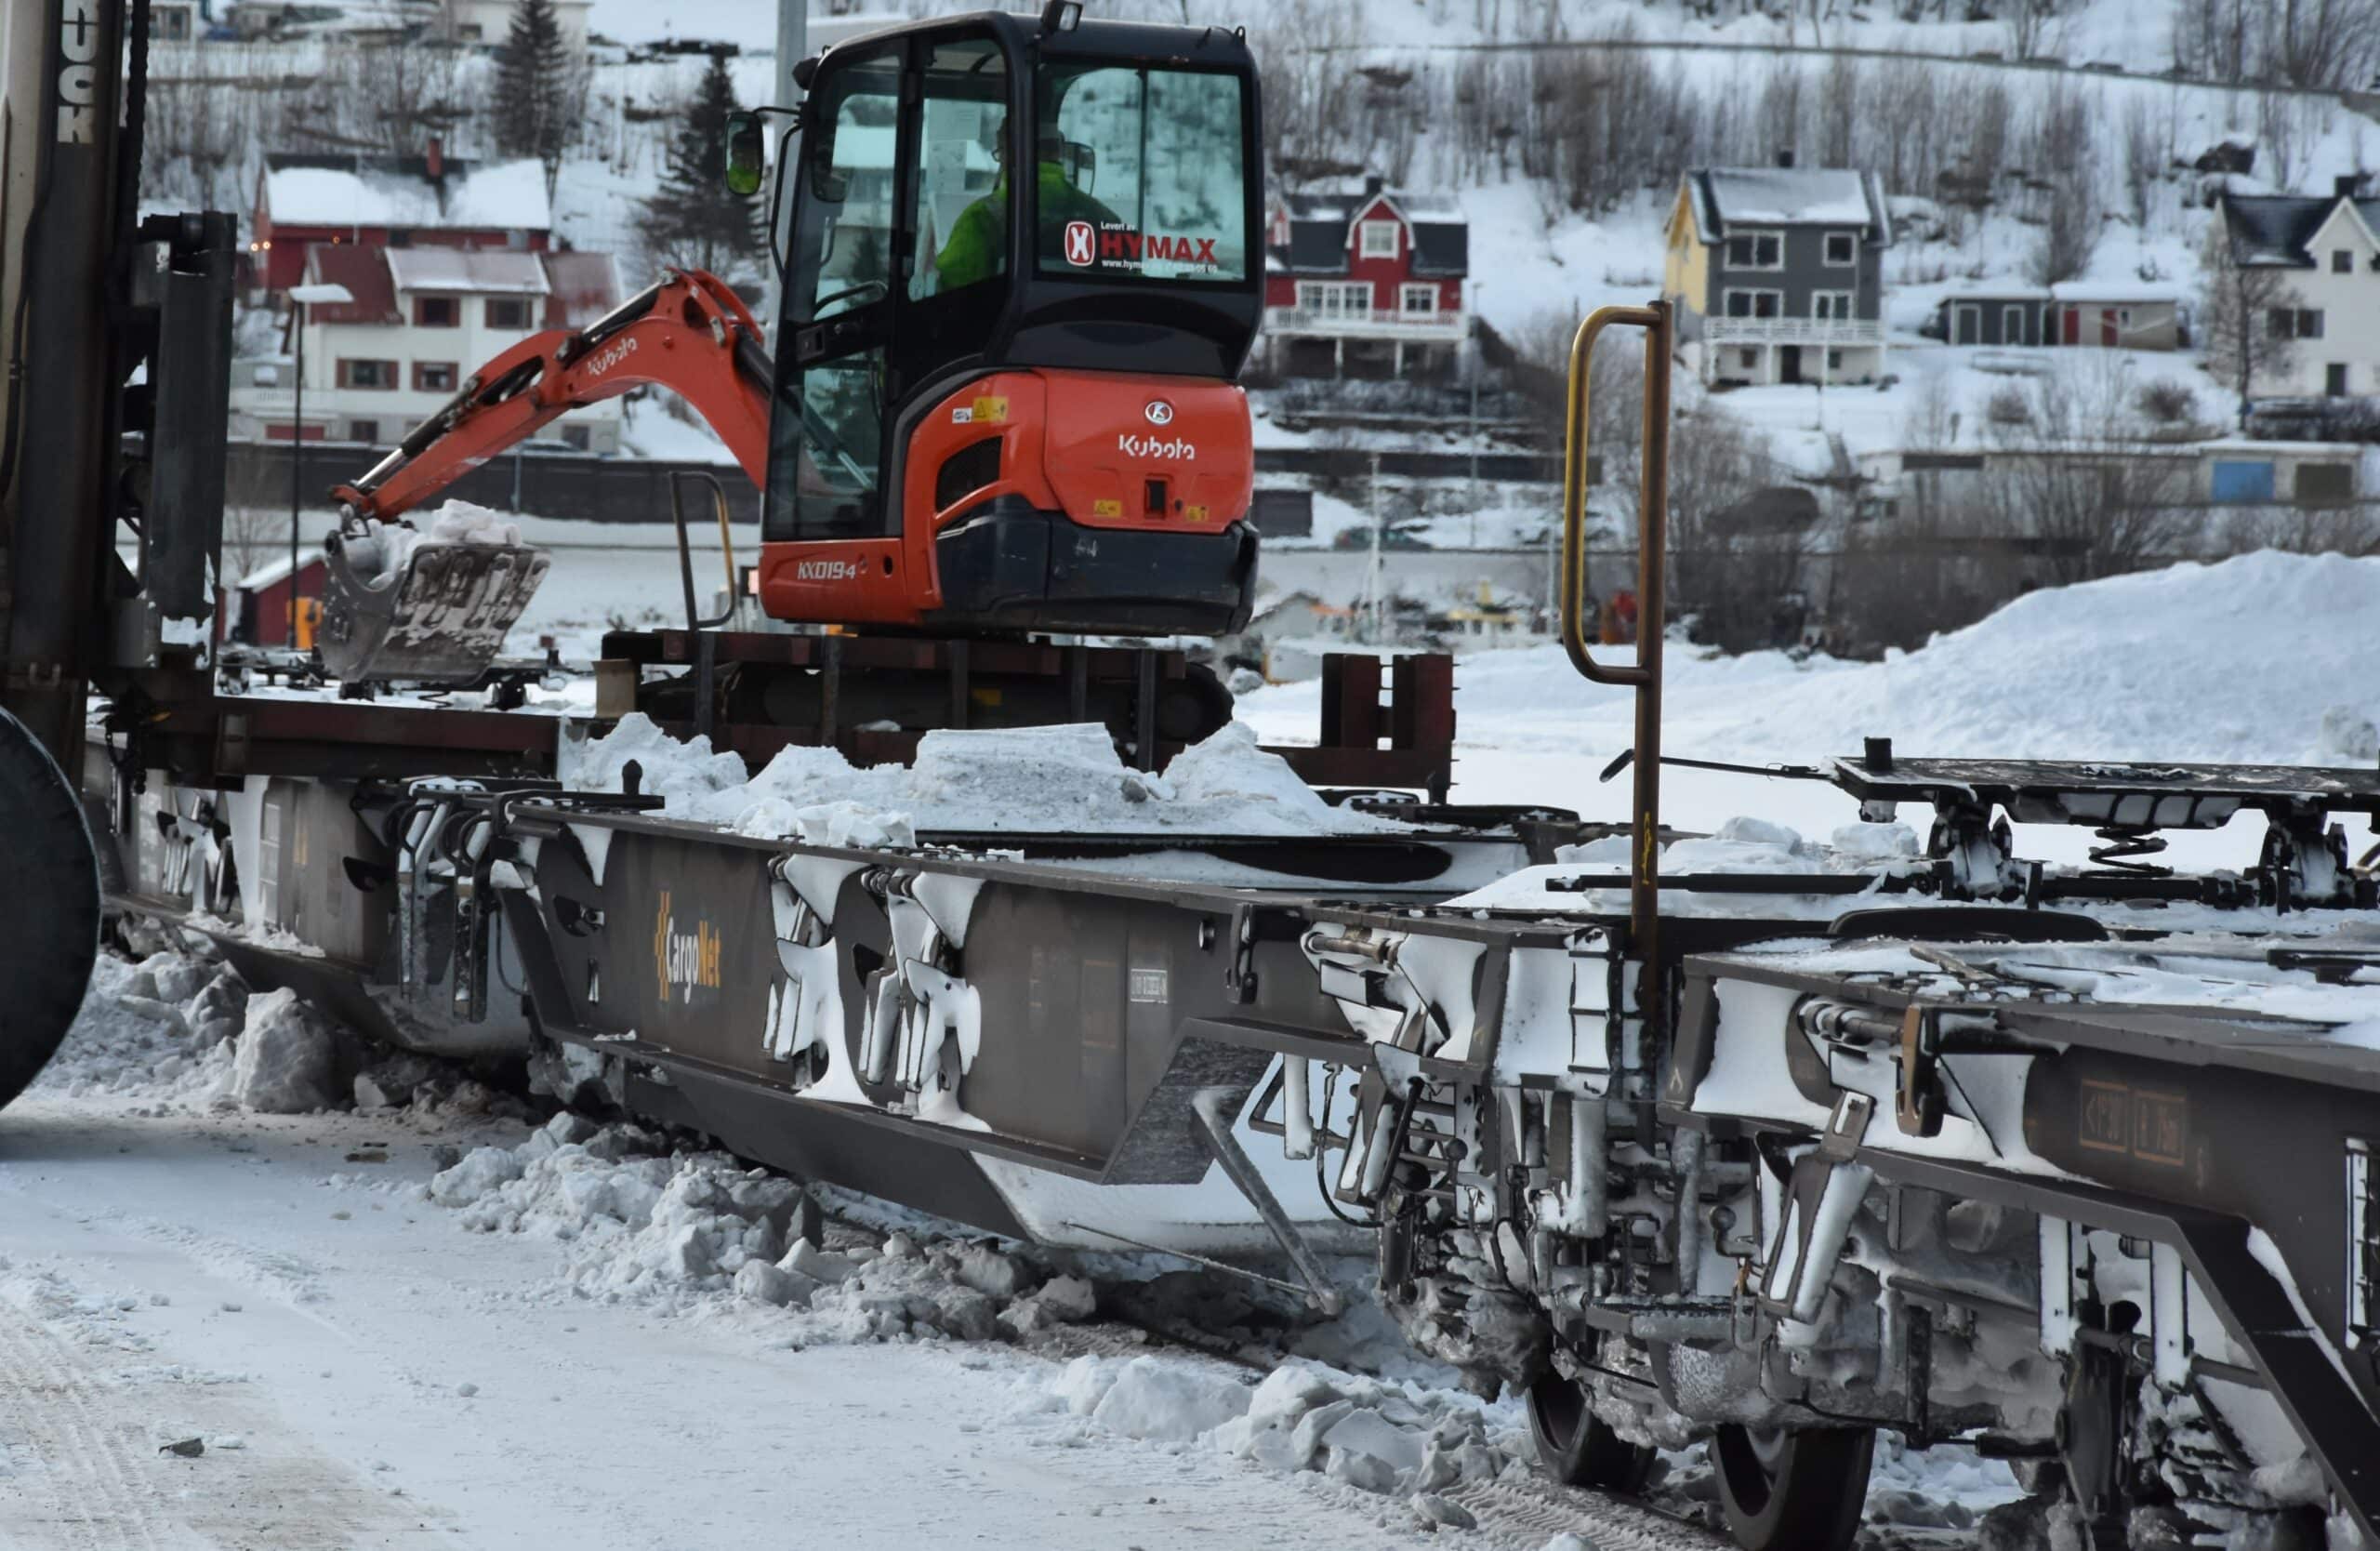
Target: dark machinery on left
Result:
[[117, 330]]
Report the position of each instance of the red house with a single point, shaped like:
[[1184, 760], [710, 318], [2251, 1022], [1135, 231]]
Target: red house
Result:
[[305, 200], [1365, 283]]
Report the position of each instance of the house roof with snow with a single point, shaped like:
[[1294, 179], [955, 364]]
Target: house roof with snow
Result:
[[397, 191], [1322, 230], [580, 287], [358, 267], [489, 272], [2272, 230], [1724, 198], [2124, 292], [577, 287]]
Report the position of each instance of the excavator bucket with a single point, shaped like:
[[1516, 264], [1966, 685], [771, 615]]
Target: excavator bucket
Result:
[[424, 607]]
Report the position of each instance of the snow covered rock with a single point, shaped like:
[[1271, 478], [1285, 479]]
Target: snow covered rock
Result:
[[1287, 1394], [287, 1062], [1431, 1508], [991, 1273], [476, 1176], [818, 1265], [1151, 1399], [764, 1283], [1070, 1300], [1364, 1472], [1085, 1383], [1369, 1432], [178, 977]]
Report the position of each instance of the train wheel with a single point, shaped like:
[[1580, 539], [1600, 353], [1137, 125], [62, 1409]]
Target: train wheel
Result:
[[50, 913], [1792, 1491], [1577, 1447]]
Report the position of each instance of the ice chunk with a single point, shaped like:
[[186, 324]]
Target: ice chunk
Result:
[[818, 1265], [287, 1061], [1154, 1397], [1288, 1393], [765, 1283], [1873, 842], [1085, 1383], [989, 1272], [1368, 1432], [477, 1176]]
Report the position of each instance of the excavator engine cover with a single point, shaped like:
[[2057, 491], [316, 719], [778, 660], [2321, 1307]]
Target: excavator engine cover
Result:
[[421, 608]]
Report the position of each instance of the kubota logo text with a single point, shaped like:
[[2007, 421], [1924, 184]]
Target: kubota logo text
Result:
[[685, 964], [1150, 446], [611, 358]]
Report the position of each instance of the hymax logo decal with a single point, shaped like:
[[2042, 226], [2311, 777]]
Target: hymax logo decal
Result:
[[1081, 243], [827, 570], [1159, 412], [1149, 446], [685, 964]]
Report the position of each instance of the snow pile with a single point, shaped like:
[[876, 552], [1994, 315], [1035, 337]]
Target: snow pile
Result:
[[165, 1028], [286, 1060], [1038, 779], [1400, 1440], [2268, 656], [378, 555], [177, 1031], [643, 1220]]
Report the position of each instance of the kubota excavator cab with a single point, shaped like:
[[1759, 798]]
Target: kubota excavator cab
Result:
[[1023, 269]]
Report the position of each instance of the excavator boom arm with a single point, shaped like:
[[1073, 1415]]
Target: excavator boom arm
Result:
[[688, 332]]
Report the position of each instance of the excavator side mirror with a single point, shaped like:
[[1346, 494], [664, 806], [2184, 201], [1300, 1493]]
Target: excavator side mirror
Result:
[[747, 153]]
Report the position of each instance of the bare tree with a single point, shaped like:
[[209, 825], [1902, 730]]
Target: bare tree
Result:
[[2028, 23], [2081, 478], [2246, 343], [2144, 156], [2063, 152]]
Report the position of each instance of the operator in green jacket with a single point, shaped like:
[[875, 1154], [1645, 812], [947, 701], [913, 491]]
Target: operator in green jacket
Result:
[[978, 245]]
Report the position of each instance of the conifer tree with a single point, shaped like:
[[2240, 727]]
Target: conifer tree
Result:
[[693, 222], [536, 104]]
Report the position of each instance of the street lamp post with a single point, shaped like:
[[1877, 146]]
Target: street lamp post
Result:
[[300, 297]]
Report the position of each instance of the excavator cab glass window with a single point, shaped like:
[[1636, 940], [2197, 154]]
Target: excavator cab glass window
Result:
[[961, 170], [1141, 175]]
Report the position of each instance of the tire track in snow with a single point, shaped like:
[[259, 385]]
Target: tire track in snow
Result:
[[83, 1493]]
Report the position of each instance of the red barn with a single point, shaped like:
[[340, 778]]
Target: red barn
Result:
[[1365, 284], [304, 201]]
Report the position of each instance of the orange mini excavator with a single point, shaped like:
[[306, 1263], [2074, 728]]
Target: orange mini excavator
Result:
[[1022, 269]]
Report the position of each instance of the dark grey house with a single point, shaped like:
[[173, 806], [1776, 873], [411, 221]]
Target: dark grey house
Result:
[[1778, 273], [2081, 313]]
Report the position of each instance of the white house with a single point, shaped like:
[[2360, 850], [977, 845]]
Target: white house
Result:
[[2329, 251], [487, 22], [423, 320]]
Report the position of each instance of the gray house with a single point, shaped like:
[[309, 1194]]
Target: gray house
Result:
[[1778, 273], [2080, 313]]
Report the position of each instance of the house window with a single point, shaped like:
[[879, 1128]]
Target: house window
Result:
[[1421, 298], [1756, 250], [1833, 306], [507, 313], [1835, 361], [1755, 304], [2335, 380], [434, 376], [365, 432], [577, 437], [1842, 248], [1379, 239], [367, 374], [2294, 323], [1966, 325], [2236, 483], [437, 313], [1335, 297], [2012, 326], [1748, 358], [2342, 261], [2321, 484]]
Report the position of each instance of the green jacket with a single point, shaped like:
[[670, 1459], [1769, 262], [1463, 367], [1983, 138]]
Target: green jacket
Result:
[[978, 245]]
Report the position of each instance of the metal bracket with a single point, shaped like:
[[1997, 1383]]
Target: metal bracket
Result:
[[1215, 1108], [1239, 974]]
